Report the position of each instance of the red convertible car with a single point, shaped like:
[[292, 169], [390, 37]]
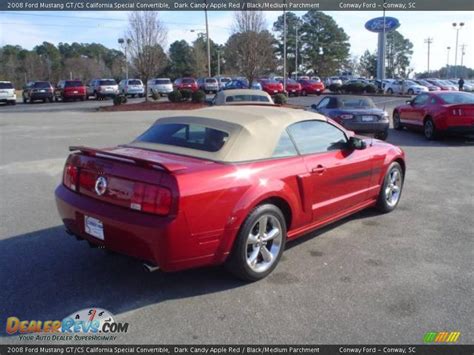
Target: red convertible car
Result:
[[437, 113], [225, 185]]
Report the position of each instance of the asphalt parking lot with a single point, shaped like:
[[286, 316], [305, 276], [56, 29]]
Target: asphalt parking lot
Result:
[[370, 278]]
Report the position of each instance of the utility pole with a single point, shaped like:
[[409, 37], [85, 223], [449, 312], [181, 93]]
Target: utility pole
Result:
[[218, 62], [125, 42], [296, 51], [463, 52], [208, 43], [284, 47], [461, 24], [447, 64], [428, 41]]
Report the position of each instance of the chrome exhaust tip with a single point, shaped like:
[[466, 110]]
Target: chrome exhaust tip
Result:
[[150, 267]]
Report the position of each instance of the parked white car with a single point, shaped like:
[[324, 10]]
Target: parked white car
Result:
[[333, 80], [161, 86], [7, 93], [132, 87], [405, 87]]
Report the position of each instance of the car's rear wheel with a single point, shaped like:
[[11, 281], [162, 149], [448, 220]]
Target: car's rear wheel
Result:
[[304, 93], [429, 129], [259, 244], [390, 91], [396, 121], [25, 100], [391, 190], [411, 92]]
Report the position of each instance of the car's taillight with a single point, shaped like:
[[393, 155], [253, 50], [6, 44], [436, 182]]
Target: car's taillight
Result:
[[151, 198], [70, 177]]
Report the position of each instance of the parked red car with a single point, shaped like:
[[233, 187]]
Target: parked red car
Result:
[[271, 87], [186, 83], [292, 87], [70, 90], [311, 87], [437, 113], [216, 185]]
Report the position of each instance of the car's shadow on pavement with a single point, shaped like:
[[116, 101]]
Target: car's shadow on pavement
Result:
[[415, 138], [47, 275]]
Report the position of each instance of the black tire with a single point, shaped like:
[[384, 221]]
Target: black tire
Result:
[[382, 135], [50, 99], [410, 92], [237, 262], [390, 91], [25, 100], [304, 93], [396, 121], [56, 99], [429, 129], [383, 204]]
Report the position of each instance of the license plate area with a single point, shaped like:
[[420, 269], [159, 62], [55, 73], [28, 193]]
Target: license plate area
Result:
[[367, 118], [94, 227]]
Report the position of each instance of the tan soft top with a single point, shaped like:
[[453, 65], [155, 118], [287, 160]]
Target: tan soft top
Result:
[[221, 96], [254, 131]]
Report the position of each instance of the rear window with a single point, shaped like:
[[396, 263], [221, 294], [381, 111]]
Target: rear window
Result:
[[225, 80], [188, 81], [134, 82], [6, 86], [107, 82], [355, 103], [185, 135], [73, 83], [162, 81], [457, 98], [241, 98], [211, 81], [42, 84]]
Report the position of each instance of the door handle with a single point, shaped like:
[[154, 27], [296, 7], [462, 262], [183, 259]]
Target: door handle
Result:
[[318, 169]]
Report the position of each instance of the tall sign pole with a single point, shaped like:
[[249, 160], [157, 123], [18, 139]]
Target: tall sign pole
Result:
[[382, 26], [284, 47], [429, 41]]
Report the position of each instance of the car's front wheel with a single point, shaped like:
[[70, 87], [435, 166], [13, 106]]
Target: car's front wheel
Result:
[[396, 121], [391, 189], [259, 244]]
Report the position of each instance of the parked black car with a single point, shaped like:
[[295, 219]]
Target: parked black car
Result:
[[358, 114], [38, 90]]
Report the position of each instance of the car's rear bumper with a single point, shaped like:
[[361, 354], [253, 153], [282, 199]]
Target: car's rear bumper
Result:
[[372, 127], [41, 95], [163, 241], [70, 95], [135, 91], [7, 99]]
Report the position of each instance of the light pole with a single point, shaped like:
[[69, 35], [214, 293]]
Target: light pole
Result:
[[218, 62], [455, 26], [447, 63], [296, 51], [208, 43], [284, 47], [428, 41], [125, 42]]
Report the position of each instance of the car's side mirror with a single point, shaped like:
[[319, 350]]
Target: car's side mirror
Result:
[[357, 143]]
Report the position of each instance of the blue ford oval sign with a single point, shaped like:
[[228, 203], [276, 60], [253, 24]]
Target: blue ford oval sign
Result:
[[377, 24]]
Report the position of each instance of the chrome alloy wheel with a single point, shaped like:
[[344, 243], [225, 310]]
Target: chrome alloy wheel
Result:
[[264, 243], [429, 129], [393, 187]]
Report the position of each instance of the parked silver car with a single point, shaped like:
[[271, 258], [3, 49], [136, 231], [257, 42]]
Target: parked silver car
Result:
[[208, 85], [7, 93], [101, 88], [132, 87], [160, 86]]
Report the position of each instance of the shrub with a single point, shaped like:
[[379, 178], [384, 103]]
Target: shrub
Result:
[[120, 99], [370, 89], [155, 96], [335, 87], [198, 97], [280, 99], [175, 96], [186, 94]]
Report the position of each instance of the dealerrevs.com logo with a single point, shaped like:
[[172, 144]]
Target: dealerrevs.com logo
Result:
[[90, 321], [441, 337]]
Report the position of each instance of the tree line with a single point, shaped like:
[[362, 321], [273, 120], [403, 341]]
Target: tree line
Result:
[[322, 48]]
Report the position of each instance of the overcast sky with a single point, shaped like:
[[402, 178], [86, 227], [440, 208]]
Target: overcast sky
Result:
[[28, 29]]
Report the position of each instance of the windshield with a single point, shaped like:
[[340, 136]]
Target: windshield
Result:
[[74, 83], [355, 103], [107, 82], [42, 85], [6, 86], [162, 81], [185, 135], [243, 98], [457, 98]]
